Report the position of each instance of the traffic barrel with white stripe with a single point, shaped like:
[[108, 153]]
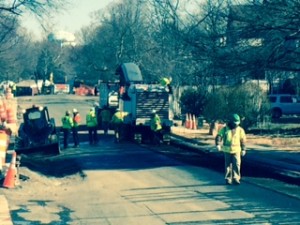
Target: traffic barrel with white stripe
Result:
[[4, 142]]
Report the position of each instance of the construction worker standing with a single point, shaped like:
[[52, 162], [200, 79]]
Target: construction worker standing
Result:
[[156, 127], [118, 123], [67, 124], [234, 138], [14, 89], [76, 122], [92, 125], [97, 112], [167, 83], [105, 119]]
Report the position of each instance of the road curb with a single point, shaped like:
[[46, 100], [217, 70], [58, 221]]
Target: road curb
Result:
[[278, 169], [5, 218]]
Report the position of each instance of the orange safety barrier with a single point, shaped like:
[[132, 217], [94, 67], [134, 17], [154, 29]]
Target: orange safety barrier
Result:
[[8, 90], [2, 111], [4, 142], [9, 95], [11, 115], [80, 91]]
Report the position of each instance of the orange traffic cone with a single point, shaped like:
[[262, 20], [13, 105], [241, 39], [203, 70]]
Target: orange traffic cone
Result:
[[187, 121], [191, 121], [194, 125], [9, 181]]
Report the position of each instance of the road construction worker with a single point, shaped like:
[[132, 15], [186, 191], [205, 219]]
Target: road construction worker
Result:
[[167, 83], [105, 119], [156, 127], [14, 89], [233, 138], [76, 122], [118, 124], [97, 111], [67, 124], [92, 125]]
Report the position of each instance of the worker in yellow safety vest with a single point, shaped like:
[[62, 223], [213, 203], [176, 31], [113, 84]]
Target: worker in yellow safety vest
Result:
[[67, 124], [118, 124], [156, 127], [233, 138], [167, 83], [92, 125]]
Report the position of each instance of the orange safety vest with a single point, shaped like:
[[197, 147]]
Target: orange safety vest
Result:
[[76, 120]]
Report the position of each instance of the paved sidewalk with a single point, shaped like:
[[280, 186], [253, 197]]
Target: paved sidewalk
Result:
[[5, 218]]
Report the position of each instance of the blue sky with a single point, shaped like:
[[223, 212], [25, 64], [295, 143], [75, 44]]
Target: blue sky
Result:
[[78, 15]]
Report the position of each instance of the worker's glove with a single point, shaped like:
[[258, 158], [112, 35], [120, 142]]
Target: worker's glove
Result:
[[243, 152], [218, 147]]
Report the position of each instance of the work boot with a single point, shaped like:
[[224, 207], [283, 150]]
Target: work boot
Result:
[[228, 181], [236, 181]]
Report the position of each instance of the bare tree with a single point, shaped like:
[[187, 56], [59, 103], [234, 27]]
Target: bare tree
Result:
[[38, 7], [11, 38]]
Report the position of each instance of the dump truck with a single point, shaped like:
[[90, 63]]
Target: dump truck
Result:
[[140, 100], [37, 134], [129, 93]]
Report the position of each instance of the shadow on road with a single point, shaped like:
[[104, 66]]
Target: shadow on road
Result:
[[106, 155]]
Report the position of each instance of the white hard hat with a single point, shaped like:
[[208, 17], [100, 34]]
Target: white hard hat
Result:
[[75, 111], [153, 111]]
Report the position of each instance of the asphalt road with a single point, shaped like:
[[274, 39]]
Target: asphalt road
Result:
[[59, 104], [115, 184], [128, 184]]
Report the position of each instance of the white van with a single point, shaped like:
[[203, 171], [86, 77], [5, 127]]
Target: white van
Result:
[[284, 104]]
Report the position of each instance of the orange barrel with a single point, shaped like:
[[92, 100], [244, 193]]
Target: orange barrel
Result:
[[8, 90], [4, 142], [11, 115], [2, 111], [76, 90], [9, 95], [81, 91]]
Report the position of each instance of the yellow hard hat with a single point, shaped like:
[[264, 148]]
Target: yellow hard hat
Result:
[[165, 81]]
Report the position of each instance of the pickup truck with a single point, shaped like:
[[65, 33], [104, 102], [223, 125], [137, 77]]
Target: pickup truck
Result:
[[284, 104]]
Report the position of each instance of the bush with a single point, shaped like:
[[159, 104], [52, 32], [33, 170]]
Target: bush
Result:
[[193, 101], [247, 100]]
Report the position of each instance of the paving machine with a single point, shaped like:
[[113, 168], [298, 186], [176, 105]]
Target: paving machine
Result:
[[140, 100], [37, 133]]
